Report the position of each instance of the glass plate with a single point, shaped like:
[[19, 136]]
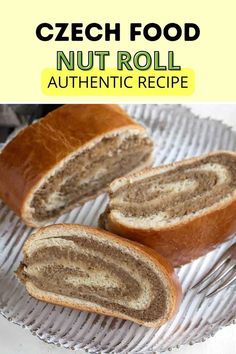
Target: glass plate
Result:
[[178, 134]]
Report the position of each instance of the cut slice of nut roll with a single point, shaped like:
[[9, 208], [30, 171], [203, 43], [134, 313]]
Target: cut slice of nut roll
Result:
[[182, 210], [93, 270], [69, 157]]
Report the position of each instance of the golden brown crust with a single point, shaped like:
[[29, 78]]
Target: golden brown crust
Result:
[[161, 262], [189, 239], [183, 243], [37, 149], [107, 312]]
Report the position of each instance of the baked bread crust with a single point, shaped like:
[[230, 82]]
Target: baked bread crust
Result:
[[188, 240], [165, 267], [41, 147]]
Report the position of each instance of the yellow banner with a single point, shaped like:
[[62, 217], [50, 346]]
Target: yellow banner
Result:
[[112, 82], [28, 62]]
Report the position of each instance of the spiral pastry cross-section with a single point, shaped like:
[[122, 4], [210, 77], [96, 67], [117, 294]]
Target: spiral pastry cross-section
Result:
[[68, 157], [88, 269], [183, 206]]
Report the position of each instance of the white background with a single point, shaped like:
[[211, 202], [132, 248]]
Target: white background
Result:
[[15, 340]]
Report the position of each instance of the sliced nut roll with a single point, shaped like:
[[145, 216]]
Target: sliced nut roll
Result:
[[69, 157], [182, 210], [92, 270]]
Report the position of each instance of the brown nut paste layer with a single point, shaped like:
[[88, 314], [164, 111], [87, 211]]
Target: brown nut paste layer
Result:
[[52, 277], [90, 173], [143, 199]]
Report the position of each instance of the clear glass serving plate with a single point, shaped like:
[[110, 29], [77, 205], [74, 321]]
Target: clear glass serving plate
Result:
[[178, 134]]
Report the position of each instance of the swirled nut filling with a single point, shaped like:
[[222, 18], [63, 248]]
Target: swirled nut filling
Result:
[[98, 272], [89, 173], [162, 197]]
